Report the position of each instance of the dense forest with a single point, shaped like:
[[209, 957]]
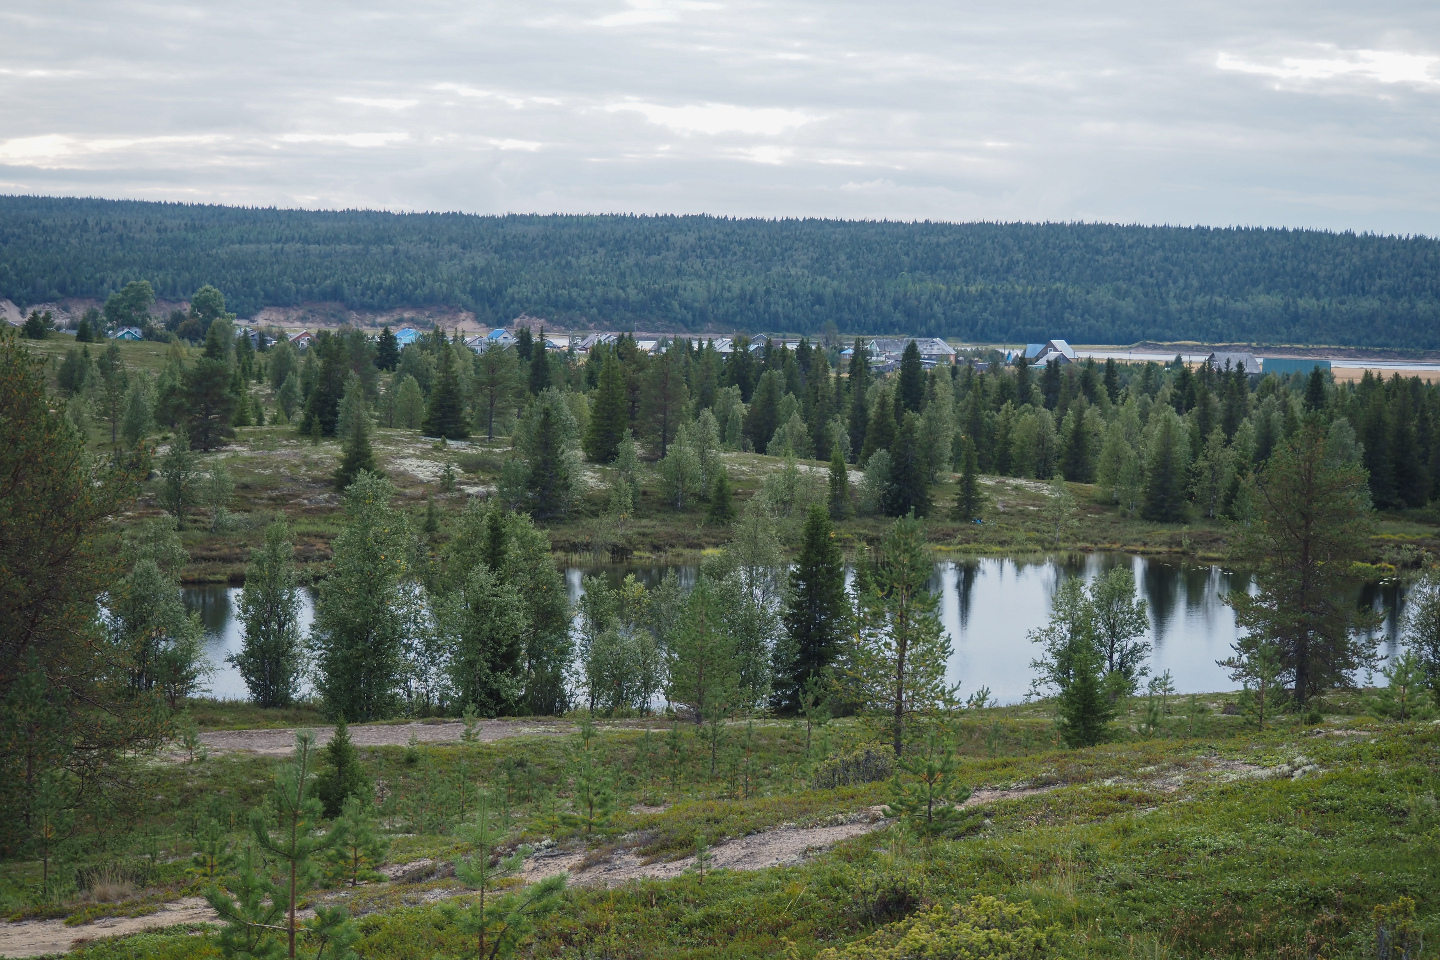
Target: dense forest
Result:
[[1090, 283]]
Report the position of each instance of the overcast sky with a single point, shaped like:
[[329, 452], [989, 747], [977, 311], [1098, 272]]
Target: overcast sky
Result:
[[1305, 113]]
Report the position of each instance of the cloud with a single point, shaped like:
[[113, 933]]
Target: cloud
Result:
[[1382, 66], [652, 11], [348, 139], [528, 145], [380, 104], [716, 118], [55, 149]]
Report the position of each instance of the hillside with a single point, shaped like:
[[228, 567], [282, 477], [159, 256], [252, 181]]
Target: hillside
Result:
[[1091, 283]]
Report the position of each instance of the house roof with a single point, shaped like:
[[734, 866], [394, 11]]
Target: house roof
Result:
[[406, 335], [1235, 359]]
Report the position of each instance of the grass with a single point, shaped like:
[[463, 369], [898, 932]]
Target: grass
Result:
[[1216, 840]]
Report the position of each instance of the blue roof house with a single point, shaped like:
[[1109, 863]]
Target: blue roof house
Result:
[[406, 336]]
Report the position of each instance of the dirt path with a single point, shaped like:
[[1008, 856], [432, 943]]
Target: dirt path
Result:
[[32, 938], [279, 742]]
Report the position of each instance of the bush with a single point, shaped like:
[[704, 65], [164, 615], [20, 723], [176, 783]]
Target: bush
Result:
[[983, 928], [870, 765]]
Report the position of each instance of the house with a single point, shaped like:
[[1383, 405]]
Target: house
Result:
[[1057, 350], [592, 340], [1220, 359], [1284, 366], [302, 340], [932, 349], [500, 337], [129, 333], [406, 336]]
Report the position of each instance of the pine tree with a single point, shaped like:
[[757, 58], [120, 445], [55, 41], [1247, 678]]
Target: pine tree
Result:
[[387, 352], [496, 925], [270, 656], [497, 378], [1076, 460], [816, 611], [968, 498], [358, 847], [210, 401], [445, 415], [1404, 696], [839, 498], [1312, 520], [256, 908], [357, 454], [609, 413], [343, 777], [322, 399]]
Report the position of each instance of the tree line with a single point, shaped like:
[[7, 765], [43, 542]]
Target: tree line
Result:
[[989, 282]]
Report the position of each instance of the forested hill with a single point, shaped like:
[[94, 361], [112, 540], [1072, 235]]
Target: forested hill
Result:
[[1090, 283]]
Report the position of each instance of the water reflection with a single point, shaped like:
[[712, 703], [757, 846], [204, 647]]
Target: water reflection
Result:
[[988, 606]]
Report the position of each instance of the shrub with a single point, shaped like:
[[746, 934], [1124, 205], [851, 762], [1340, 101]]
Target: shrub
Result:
[[870, 765], [983, 928]]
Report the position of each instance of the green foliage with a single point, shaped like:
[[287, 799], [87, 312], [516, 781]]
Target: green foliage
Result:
[[817, 612], [359, 610], [1405, 695], [179, 478], [1312, 516], [358, 847], [270, 658], [1256, 664], [986, 928], [37, 325], [494, 927], [342, 777], [969, 499], [354, 428], [609, 412], [899, 651], [487, 620], [445, 413]]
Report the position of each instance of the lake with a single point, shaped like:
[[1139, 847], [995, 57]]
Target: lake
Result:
[[987, 606]]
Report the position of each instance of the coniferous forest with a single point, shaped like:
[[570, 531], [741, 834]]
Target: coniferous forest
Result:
[[987, 282]]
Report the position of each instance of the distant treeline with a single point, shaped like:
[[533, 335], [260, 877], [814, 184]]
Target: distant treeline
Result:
[[1090, 283]]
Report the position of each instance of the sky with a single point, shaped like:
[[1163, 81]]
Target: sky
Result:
[[1302, 113]]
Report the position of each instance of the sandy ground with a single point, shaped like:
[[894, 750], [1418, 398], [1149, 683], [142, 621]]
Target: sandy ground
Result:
[[279, 742], [32, 938]]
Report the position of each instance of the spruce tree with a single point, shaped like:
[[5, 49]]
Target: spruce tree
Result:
[[539, 367], [763, 417], [721, 510], [880, 429], [909, 487], [487, 620], [857, 384], [816, 611], [342, 777], [387, 351], [1167, 468], [357, 454], [270, 656], [445, 415], [1084, 708], [911, 389], [609, 413], [1076, 461], [969, 499], [839, 499], [322, 400]]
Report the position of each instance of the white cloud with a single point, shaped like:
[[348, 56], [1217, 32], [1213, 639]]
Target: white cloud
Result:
[[765, 154], [529, 145], [380, 103], [714, 118], [348, 139], [652, 11], [55, 149], [477, 93], [1383, 66]]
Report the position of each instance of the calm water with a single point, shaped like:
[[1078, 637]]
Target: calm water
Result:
[[988, 606]]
